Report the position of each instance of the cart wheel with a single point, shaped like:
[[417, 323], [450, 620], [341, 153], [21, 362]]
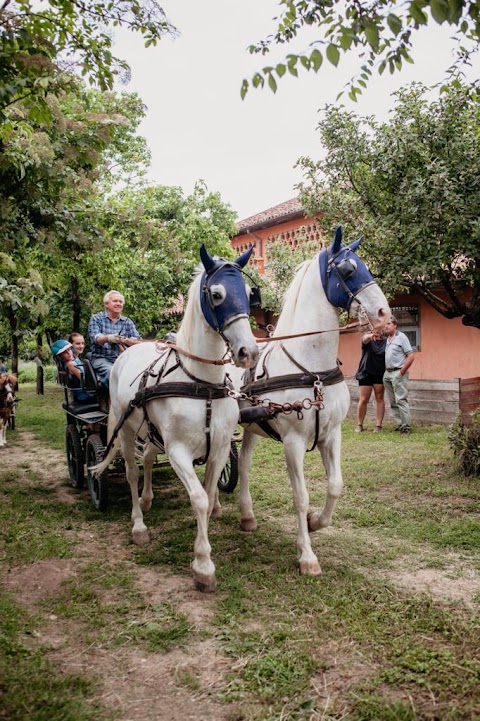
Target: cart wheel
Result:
[[75, 457], [229, 476], [97, 485]]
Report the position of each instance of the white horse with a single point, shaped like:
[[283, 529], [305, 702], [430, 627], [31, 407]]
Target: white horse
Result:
[[177, 399], [302, 374]]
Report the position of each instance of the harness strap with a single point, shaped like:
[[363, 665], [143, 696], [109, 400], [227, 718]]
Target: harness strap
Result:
[[294, 380], [174, 389]]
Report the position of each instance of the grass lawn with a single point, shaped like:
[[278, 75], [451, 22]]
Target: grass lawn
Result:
[[363, 642]]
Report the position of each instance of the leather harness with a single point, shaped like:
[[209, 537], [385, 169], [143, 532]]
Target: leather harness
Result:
[[200, 389], [305, 379]]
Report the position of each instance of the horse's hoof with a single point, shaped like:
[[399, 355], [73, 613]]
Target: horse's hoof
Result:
[[140, 538], [309, 568], [248, 525], [205, 584]]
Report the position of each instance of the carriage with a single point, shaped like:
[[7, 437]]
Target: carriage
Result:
[[86, 439]]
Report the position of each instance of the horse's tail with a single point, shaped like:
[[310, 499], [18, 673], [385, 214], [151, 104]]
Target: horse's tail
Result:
[[101, 467]]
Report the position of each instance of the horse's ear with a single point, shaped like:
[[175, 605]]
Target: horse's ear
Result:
[[353, 246], [243, 259], [206, 258], [337, 241]]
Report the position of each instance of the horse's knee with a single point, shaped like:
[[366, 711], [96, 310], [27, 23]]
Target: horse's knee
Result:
[[316, 521]]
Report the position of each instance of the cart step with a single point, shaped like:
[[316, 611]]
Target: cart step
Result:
[[92, 417]]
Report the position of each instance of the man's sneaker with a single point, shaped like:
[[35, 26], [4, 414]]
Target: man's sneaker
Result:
[[406, 430], [377, 429], [359, 428]]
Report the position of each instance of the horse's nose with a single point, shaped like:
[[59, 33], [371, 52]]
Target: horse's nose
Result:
[[247, 357]]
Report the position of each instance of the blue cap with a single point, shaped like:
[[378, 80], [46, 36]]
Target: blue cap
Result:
[[59, 346]]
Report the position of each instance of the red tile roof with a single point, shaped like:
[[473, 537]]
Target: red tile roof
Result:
[[269, 217]]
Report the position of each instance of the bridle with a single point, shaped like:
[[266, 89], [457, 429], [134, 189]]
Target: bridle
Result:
[[7, 397], [213, 313], [344, 268]]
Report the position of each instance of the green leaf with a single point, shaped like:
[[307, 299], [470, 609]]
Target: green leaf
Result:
[[439, 10], [281, 69], [244, 89], [258, 80], [372, 35], [272, 83], [417, 13], [316, 58], [455, 11], [394, 23], [333, 54]]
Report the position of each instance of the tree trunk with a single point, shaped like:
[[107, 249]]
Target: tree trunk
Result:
[[40, 376], [12, 321], [76, 310]]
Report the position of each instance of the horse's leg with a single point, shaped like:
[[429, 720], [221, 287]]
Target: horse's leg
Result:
[[330, 450], [203, 568], [294, 454], [139, 530], [213, 470], [216, 511], [2, 433], [247, 517], [149, 454]]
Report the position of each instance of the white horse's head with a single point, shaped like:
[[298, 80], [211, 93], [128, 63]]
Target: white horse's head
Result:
[[348, 283], [224, 300]]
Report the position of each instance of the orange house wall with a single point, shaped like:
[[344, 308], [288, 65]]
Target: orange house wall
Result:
[[448, 349], [262, 237]]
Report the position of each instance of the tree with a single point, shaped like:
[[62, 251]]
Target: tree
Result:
[[54, 177], [382, 32], [412, 186], [156, 233], [44, 42]]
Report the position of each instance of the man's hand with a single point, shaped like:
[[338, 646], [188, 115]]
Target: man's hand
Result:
[[114, 338]]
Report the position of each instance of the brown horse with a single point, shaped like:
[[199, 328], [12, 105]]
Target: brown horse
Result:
[[8, 385]]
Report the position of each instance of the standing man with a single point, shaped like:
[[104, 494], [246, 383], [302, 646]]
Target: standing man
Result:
[[399, 357], [110, 333]]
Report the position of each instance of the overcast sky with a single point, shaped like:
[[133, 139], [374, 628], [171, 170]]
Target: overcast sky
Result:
[[197, 127]]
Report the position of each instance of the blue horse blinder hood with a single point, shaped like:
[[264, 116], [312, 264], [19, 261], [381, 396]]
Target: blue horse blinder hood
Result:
[[342, 272], [235, 304]]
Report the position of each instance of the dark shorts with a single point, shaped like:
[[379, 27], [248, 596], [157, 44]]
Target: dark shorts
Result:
[[371, 380]]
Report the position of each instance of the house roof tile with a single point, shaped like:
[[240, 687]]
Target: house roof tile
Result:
[[268, 217]]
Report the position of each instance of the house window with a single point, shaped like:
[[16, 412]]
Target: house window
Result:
[[408, 323]]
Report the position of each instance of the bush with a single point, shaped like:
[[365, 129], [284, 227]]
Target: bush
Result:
[[465, 441], [27, 373]]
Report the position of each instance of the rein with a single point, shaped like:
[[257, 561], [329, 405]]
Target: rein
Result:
[[161, 344]]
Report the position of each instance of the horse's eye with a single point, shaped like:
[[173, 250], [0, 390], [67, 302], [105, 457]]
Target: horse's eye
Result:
[[217, 293]]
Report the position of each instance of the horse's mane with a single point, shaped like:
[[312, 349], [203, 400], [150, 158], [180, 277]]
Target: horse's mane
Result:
[[188, 321], [291, 294]]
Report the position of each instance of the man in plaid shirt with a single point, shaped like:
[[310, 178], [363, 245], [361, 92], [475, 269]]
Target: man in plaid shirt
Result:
[[110, 333]]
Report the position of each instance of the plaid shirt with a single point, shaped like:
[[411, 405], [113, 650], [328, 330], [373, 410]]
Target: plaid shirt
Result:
[[102, 324]]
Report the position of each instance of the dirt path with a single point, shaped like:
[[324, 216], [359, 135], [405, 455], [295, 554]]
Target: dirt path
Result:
[[170, 686], [132, 683]]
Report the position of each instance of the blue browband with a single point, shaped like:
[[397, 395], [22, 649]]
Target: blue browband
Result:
[[342, 272]]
